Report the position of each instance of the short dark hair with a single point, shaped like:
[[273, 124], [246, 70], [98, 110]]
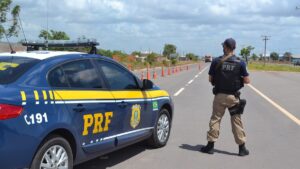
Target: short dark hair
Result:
[[230, 43]]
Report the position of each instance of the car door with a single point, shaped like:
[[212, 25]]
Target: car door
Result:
[[133, 104], [78, 86]]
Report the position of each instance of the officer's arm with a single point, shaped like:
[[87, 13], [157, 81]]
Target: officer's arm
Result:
[[246, 80], [210, 78], [245, 73]]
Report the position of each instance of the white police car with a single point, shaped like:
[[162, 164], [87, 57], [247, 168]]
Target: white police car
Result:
[[58, 109]]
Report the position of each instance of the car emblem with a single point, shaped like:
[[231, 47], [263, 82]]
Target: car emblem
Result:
[[135, 116]]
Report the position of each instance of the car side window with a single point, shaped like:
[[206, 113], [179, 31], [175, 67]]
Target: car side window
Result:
[[57, 79], [82, 74], [76, 74], [117, 77]]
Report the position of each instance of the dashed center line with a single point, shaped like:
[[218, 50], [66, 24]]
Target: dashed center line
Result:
[[191, 81], [179, 91]]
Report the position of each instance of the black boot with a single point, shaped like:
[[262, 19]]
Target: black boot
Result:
[[209, 148], [242, 150]]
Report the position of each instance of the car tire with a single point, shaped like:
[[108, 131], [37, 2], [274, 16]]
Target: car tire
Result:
[[55, 144], [161, 131]]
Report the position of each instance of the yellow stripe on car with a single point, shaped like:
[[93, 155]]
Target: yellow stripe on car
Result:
[[130, 94], [158, 93], [51, 95], [23, 95], [36, 95], [81, 95], [106, 95], [45, 95]]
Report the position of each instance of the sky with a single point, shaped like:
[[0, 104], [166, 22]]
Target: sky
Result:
[[197, 26]]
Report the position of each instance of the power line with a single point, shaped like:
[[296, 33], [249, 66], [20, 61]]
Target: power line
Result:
[[265, 38]]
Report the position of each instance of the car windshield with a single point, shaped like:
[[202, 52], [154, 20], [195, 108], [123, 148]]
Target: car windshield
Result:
[[11, 68]]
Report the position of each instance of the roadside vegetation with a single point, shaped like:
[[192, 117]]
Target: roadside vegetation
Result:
[[272, 63], [260, 66]]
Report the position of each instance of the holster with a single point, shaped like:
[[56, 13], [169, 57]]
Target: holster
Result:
[[238, 108], [214, 91]]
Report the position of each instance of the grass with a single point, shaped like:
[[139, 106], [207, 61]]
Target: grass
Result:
[[273, 67]]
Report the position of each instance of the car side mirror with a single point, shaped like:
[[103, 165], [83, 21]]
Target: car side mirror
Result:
[[147, 84]]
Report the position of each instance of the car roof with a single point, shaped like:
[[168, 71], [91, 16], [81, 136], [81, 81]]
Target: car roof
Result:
[[41, 55]]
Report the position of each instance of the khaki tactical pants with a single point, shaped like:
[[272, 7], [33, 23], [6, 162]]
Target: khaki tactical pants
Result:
[[221, 102]]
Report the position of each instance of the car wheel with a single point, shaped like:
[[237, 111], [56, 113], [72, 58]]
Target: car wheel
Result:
[[55, 152], [161, 130]]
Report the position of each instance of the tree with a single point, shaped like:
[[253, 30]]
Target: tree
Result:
[[191, 56], [104, 52], [5, 7], [245, 52], [173, 61], [287, 56], [274, 56], [151, 58], [53, 35], [136, 53], [168, 50], [254, 56]]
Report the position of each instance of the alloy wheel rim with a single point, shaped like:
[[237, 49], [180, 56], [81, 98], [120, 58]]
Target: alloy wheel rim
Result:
[[163, 128], [55, 157]]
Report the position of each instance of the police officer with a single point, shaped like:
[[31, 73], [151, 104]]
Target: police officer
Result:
[[227, 74]]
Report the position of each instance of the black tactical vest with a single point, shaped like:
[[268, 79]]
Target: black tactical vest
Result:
[[227, 77]]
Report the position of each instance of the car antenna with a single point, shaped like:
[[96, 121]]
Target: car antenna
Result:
[[10, 46], [47, 20], [22, 29]]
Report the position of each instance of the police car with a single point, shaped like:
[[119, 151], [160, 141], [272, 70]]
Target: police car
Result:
[[58, 109]]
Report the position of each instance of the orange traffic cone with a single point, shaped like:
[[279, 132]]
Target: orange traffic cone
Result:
[[148, 74], [162, 72], [169, 71], [154, 74]]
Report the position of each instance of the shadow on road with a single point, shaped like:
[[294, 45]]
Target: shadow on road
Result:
[[114, 158], [198, 147]]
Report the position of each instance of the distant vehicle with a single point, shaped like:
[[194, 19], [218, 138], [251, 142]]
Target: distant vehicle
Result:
[[297, 63], [208, 59]]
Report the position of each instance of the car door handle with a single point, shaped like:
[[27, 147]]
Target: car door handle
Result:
[[79, 108], [122, 104]]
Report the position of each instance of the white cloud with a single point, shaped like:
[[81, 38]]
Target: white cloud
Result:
[[196, 26]]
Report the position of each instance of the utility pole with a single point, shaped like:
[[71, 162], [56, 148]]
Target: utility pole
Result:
[[265, 38]]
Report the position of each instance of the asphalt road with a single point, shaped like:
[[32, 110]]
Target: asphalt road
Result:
[[273, 137]]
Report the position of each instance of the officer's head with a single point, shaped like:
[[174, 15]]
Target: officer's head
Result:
[[228, 45]]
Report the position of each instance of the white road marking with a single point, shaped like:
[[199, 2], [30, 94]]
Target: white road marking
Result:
[[179, 91], [203, 70], [281, 109], [191, 81]]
